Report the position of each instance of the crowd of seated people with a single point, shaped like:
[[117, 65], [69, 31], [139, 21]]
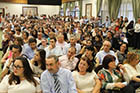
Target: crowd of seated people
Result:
[[95, 56]]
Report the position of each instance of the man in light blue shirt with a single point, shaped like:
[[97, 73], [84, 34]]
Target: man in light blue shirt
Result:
[[67, 84], [30, 48], [52, 49], [72, 44], [106, 50]]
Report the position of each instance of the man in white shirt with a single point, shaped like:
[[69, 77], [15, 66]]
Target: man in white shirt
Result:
[[72, 44], [106, 50], [69, 61], [60, 41], [52, 49]]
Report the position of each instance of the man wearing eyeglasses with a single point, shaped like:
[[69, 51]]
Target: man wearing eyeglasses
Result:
[[56, 79], [16, 52]]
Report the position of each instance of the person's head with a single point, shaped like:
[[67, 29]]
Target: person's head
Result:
[[72, 39], [60, 38], [32, 43], [21, 69], [98, 38], [138, 20], [109, 62], [106, 46], [89, 42], [126, 19], [121, 18], [53, 41], [39, 35], [25, 35], [18, 41], [132, 58], [18, 31], [51, 34], [16, 50], [124, 47], [40, 56], [52, 64], [84, 65], [44, 42], [89, 51], [109, 34], [71, 52]]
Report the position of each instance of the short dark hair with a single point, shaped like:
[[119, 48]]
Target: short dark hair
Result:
[[27, 34], [53, 39], [53, 56], [107, 59], [17, 47], [90, 68], [32, 40], [89, 48]]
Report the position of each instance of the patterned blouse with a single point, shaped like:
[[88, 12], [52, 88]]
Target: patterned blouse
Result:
[[108, 80]]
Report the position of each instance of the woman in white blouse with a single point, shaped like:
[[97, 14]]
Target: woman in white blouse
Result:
[[86, 79], [38, 62], [21, 80], [132, 66]]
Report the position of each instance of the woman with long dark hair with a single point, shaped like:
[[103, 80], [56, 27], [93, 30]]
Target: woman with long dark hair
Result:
[[21, 80], [38, 62]]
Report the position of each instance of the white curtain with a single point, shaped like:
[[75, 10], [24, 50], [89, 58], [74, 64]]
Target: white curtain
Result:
[[104, 10], [126, 9]]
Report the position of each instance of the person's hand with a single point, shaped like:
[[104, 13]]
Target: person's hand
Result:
[[119, 85], [10, 61], [122, 67], [72, 57]]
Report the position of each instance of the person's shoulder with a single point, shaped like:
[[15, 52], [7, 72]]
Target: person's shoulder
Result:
[[62, 57], [46, 48], [75, 73], [6, 78], [45, 73], [77, 44], [26, 45], [37, 79], [126, 65], [76, 59], [57, 47], [111, 51], [100, 52], [65, 71], [102, 71]]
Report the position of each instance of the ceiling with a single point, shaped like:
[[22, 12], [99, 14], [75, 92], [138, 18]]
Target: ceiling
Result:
[[25, 1], [63, 1]]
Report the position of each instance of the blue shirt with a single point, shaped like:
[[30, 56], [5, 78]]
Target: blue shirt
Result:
[[67, 82], [28, 51]]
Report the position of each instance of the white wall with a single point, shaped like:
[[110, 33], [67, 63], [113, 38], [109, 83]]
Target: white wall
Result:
[[93, 7], [17, 8]]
